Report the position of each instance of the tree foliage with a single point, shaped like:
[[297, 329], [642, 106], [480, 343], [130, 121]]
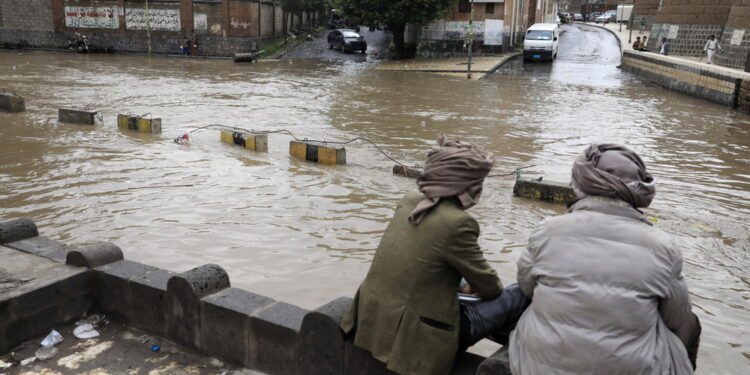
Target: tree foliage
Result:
[[394, 13]]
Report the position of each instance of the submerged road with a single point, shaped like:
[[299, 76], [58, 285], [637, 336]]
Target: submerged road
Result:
[[377, 48], [305, 233]]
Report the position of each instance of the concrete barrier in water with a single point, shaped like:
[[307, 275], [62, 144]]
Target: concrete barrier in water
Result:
[[12, 103], [547, 191], [318, 152], [248, 140], [138, 123], [75, 116], [246, 57], [197, 309]]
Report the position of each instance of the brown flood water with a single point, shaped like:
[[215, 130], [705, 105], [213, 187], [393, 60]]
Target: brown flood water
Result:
[[305, 233]]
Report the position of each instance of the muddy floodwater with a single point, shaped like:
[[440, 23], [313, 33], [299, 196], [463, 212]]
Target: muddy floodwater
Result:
[[306, 233]]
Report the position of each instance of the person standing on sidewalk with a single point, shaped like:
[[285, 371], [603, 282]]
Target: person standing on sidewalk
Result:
[[664, 47], [711, 46]]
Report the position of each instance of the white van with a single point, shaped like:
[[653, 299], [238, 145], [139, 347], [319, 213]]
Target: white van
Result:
[[541, 42]]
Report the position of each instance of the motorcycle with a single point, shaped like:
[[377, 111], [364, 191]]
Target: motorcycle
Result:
[[80, 45]]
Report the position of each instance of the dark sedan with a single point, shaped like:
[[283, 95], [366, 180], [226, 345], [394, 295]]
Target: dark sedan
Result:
[[346, 40]]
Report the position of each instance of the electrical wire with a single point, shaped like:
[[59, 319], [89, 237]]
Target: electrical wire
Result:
[[285, 131]]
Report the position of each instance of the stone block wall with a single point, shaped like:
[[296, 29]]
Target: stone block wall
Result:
[[26, 14], [688, 23], [646, 10], [736, 37], [688, 77]]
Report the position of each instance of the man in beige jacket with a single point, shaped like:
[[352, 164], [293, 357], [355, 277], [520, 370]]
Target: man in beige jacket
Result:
[[608, 296]]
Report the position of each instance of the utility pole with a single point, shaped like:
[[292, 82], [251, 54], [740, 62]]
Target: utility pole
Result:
[[148, 27], [630, 24], [471, 37]]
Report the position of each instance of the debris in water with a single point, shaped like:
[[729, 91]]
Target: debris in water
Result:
[[155, 348], [85, 331], [52, 339], [4, 365], [183, 138]]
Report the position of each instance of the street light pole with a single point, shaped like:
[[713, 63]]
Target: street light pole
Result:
[[630, 24], [471, 38], [148, 27]]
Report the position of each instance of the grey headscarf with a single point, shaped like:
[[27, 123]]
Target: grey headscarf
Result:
[[616, 171], [452, 169]]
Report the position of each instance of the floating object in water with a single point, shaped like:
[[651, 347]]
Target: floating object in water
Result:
[[183, 138]]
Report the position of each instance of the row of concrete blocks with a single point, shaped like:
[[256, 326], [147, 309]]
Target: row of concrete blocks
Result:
[[200, 310], [536, 189]]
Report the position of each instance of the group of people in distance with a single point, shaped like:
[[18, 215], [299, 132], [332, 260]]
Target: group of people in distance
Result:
[[710, 48], [599, 289]]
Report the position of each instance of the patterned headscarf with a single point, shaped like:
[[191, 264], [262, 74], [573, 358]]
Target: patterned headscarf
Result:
[[453, 169]]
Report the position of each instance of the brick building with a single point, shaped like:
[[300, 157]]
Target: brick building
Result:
[[220, 26], [498, 25]]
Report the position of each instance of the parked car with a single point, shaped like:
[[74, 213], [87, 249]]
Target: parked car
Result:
[[577, 17], [608, 16], [592, 16], [346, 40], [540, 42]]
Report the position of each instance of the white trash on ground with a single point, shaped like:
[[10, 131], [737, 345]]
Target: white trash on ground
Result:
[[46, 352], [52, 339], [85, 331]]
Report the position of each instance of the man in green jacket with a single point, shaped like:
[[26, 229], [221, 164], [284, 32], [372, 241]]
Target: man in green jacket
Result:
[[406, 311]]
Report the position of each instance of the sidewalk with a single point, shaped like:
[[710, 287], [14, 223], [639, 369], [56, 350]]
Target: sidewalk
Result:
[[690, 60], [481, 66]]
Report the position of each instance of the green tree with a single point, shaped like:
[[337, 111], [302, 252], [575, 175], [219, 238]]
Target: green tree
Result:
[[395, 13]]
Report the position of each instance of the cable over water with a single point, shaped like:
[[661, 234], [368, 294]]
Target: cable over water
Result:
[[378, 148]]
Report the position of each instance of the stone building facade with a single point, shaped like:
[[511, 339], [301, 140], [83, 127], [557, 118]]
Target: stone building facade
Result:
[[687, 24], [736, 37], [221, 27], [644, 10]]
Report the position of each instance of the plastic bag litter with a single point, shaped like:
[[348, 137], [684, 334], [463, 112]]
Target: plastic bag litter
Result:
[[85, 331], [27, 361], [4, 365], [94, 320], [46, 352], [52, 339]]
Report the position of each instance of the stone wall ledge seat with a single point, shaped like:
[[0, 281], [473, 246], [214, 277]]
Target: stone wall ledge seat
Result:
[[225, 323], [94, 255], [274, 338]]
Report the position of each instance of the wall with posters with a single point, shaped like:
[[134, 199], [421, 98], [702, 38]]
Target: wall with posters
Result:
[[221, 27]]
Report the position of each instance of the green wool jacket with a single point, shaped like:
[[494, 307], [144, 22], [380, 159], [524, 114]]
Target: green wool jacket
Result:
[[406, 311]]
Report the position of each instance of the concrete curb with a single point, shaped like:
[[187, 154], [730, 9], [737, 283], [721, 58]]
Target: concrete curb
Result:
[[501, 63], [617, 37]]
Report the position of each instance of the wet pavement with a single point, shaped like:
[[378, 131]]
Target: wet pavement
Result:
[[377, 48], [305, 233]]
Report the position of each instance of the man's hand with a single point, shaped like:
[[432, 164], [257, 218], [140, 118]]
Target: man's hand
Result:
[[468, 289]]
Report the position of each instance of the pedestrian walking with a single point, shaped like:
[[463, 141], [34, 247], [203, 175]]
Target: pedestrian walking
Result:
[[711, 46], [664, 50]]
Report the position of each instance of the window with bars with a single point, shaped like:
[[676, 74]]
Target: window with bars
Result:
[[464, 6]]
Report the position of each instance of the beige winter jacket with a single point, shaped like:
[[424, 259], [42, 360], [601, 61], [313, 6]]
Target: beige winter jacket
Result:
[[607, 288]]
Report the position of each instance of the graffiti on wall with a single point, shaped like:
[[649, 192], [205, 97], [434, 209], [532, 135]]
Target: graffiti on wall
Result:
[[200, 21], [155, 19], [92, 17], [239, 23]]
